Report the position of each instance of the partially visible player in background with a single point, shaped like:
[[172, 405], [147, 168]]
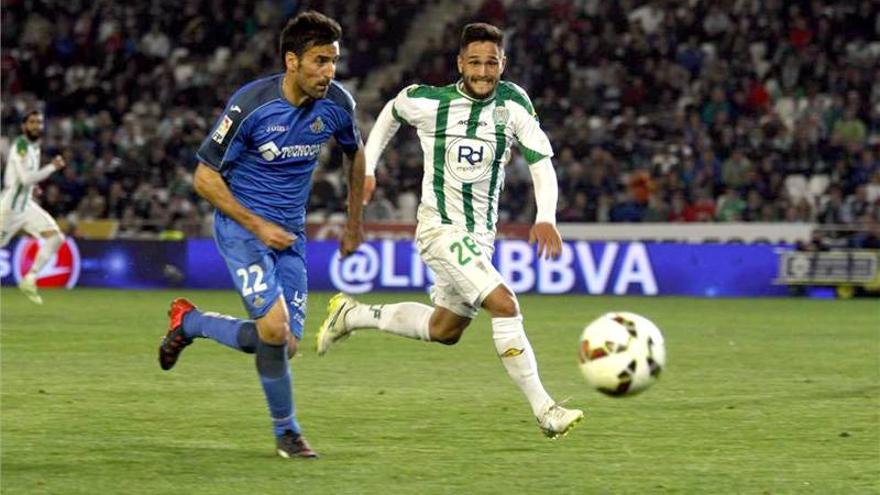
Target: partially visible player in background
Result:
[[466, 131], [18, 210], [256, 169]]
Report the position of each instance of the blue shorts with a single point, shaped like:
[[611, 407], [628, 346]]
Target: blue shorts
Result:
[[262, 274]]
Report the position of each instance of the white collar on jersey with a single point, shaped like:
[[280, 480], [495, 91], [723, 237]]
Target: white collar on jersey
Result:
[[459, 86]]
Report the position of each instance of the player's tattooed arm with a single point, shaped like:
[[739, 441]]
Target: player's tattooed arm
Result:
[[353, 234], [210, 185]]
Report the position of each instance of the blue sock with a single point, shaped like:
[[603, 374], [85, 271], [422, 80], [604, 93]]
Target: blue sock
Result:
[[238, 334], [277, 385]]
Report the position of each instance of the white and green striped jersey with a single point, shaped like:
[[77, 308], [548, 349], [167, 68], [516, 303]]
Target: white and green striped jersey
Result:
[[22, 173], [466, 143]]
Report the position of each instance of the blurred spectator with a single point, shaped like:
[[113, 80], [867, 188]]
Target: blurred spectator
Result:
[[850, 130], [93, 206], [641, 186], [730, 206], [627, 210], [735, 170], [576, 210], [857, 208], [657, 210], [702, 209], [325, 196], [832, 209]]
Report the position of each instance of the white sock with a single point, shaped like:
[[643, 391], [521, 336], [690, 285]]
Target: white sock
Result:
[[519, 359], [406, 319], [47, 249]]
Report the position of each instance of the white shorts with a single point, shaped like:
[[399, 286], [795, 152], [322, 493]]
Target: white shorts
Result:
[[462, 266], [33, 220]]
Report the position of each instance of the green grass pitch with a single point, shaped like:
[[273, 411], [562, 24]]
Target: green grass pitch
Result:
[[759, 396]]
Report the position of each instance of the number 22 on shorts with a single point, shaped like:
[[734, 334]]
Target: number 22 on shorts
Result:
[[258, 285], [458, 247]]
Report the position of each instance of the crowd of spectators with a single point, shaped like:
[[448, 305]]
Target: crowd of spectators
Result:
[[744, 110]]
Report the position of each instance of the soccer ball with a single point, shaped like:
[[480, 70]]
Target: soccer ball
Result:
[[621, 353]]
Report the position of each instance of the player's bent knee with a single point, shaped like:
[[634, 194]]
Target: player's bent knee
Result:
[[274, 327], [276, 333], [501, 303], [504, 308]]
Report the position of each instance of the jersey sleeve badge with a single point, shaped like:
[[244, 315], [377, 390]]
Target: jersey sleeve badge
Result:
[[220, 134]]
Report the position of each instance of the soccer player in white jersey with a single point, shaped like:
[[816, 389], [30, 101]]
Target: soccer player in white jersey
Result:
[[466, 130], [18, 210]]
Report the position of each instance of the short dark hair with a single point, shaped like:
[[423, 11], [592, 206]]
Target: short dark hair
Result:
[[27, 115], [481, 31], [306, 30]]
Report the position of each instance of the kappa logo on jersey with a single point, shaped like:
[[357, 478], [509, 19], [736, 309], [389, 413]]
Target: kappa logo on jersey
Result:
[[469, 159], [61, 271], [220, 134], [270, 151]]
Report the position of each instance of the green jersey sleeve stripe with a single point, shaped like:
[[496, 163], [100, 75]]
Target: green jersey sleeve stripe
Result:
[[531, 155], [510, 92], [433, 93], [397, 116], [21, 145]]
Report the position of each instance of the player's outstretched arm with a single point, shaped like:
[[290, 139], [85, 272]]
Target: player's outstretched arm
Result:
[[210, 185], [353, 234], [28, 178], [384, 129], [544, 231]]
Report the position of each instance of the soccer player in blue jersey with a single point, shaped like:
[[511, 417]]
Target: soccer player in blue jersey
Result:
[[255, 167]]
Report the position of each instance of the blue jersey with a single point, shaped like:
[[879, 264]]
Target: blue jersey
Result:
[[266, 148]]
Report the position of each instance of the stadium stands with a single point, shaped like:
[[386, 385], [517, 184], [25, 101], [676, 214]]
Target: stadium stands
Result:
[[658, 111]]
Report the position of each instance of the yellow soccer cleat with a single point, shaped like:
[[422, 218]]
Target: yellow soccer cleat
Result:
[[333, 329]]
